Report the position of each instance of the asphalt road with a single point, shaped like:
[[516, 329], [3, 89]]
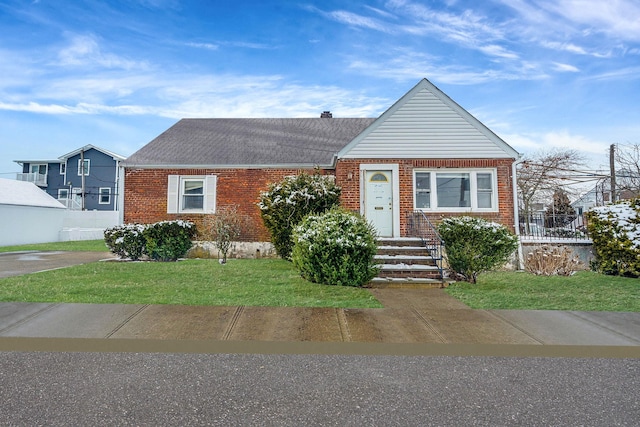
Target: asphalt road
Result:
[[154, 389]]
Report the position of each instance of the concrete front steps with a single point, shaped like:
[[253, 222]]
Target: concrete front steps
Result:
[[405, 263]]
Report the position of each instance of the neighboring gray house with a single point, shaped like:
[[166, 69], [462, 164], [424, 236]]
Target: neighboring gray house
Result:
[[84, 179]]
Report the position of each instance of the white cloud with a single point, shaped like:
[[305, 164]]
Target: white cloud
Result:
[[80, 108], [355, 20], [565, 67], [617, 18], [566, 47], [407, 64], [531, 142], [499, 51], [625, 73], [207, 46], [84, 51], [216, 46], [177, 96]]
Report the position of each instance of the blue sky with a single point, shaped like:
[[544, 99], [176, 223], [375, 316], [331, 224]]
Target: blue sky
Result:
[[539, 73]]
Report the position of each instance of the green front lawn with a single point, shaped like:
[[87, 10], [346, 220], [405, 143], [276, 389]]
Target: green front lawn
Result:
[[274, 282], [262, 282], [584, 291]]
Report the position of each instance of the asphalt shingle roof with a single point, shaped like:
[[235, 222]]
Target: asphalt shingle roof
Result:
[[250, 142]]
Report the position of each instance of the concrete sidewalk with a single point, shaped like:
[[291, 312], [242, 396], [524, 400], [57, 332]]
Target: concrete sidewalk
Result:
[[409, 316]]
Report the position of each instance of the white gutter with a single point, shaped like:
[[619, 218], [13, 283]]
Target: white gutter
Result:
[[184, 166]]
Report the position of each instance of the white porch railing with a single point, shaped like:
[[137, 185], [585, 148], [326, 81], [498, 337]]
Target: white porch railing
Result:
[[37, 178], [71, 204]]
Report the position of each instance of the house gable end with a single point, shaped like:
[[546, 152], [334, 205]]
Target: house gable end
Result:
[[426, 123]]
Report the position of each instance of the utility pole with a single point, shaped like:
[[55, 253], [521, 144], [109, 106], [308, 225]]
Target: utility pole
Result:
[[612, 167]]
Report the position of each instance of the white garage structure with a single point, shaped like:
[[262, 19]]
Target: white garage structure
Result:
[[28, 214]]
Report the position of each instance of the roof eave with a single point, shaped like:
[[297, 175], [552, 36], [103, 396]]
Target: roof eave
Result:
[[87, 147], [127, 165]]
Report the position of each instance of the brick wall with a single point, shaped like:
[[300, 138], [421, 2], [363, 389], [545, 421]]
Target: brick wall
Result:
[[348, 177], [145, 195]]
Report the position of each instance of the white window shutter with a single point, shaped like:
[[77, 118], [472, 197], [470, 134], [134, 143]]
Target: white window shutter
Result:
[[210, 199], [173, 194]]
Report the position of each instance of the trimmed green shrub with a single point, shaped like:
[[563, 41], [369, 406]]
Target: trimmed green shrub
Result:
[[615, 232], [126, 241], [335, 248], [474, 245], [169, 240], [286, 203]]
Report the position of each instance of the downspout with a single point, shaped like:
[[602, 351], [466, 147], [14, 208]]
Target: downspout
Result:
[[516, 216], [116, 187], [120, 190]]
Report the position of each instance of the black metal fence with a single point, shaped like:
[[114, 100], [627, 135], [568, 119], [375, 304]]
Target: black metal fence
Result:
[[542, 225]]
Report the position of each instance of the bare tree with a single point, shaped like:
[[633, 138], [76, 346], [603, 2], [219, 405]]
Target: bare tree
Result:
[[541, 174], [627, 161], [224, 228]]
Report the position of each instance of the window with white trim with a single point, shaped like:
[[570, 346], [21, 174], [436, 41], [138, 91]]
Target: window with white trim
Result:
[[452, 190], [191, 194], [63, 193], [84, 169], [104, 197]]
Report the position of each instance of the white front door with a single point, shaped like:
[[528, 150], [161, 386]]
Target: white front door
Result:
[[378, 200]]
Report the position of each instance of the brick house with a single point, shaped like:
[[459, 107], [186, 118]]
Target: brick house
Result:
[[424, 154]]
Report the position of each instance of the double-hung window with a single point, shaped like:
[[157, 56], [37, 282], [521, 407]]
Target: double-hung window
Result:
[[83, 167], [105, 195], [454, 190], [192, 190], [191, 194]]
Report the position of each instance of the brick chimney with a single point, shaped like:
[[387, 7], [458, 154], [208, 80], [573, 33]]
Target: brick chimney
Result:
[[326, 115]]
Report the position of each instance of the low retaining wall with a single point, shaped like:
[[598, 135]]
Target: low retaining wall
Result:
[[241, 250], [583, 249]]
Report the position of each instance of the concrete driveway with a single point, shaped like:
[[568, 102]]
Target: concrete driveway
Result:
[[18, 263]]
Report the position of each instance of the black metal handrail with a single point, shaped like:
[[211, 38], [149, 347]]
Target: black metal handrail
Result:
[[419, 225]]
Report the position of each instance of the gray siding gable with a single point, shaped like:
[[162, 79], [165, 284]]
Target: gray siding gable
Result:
[[426, 123]]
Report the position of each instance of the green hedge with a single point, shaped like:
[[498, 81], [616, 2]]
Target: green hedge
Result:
[[474, 245]]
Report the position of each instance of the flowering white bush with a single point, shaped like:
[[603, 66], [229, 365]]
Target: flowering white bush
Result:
[[335, 248], [285, 203], [474, 245], [615, 232], [126, 241], [165, 240]]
